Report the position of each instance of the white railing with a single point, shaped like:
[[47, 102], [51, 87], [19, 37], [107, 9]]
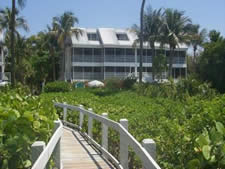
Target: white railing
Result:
[[40, 154], [146, 151]]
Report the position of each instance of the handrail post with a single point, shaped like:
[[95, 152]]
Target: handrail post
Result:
[[90, 124], [64, 112], [36, 149], [57, 152], [150, 147], [105, 133], [124, 145], [81, 116]]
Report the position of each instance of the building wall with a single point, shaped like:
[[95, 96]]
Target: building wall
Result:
[[101, 63]]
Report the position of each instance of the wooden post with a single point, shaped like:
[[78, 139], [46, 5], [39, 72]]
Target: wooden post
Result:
[[105, 133], [90, 124], [57, 152], [124, 145], [36, 149], [150, 146], [81, 116], [64, 112]]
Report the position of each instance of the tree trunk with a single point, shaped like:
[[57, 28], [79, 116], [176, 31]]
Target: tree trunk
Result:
[[153, 59], [171, 62], [12, 43], [195, 49], [141, 42], [53, 64]]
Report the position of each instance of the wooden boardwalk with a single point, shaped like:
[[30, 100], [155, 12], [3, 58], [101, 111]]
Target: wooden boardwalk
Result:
[[77, 153]]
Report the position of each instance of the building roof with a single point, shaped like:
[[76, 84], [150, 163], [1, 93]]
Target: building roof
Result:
[[108, 37]]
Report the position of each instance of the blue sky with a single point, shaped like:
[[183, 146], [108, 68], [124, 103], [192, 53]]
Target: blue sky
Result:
[[119, 13]]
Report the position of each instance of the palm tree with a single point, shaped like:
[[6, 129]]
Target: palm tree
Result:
[[52, 45], [21, 4], [141, 41], [198, 37], [62, 25], [20, 22], [175, 31], [152, 30]]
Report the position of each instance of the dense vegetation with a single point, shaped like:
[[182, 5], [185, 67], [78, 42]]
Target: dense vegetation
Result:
[[24, 119], [186, 119], [174, 123]]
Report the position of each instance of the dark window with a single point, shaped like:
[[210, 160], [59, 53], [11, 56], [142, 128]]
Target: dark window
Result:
[[77, 69], [87, 69], [130, 52], [77, 51], [97, 52], [87, 52], [97, 69], [139, 52], [93, 36], [120, 69], [109, 51], [109, 69], [149, 52], [168, 53], [120, 52], [122, 36]]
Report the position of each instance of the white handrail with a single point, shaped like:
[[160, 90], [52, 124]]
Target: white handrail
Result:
[[45, 155], [147, 160]]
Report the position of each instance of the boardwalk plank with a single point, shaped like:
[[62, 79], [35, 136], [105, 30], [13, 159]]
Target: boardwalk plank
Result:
[[77, 153]]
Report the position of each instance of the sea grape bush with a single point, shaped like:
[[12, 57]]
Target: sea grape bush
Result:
[[58, 86], [24, 119], [174, 123], [210, 148]]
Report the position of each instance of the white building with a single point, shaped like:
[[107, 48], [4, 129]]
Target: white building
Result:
[[107, 52]]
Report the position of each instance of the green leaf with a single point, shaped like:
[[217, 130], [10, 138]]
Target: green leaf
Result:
[[206, 152], [203, 140], [193, 164], [19, 98], [36, 124], [28, 115], [220, 128], [27, 163]]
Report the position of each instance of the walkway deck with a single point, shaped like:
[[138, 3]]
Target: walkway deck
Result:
[[77, 153]]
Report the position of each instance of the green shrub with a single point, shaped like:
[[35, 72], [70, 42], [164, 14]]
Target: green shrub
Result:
[[113, 83], [128, 83], [58, 86], [24, 119], [210, 148]]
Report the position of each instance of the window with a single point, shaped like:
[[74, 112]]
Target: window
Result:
[[120, 52], [78, 51], [97, 52], [109, 69], [130, 52], [92, 36], [109, 52], [87, 52], [122, 36]]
